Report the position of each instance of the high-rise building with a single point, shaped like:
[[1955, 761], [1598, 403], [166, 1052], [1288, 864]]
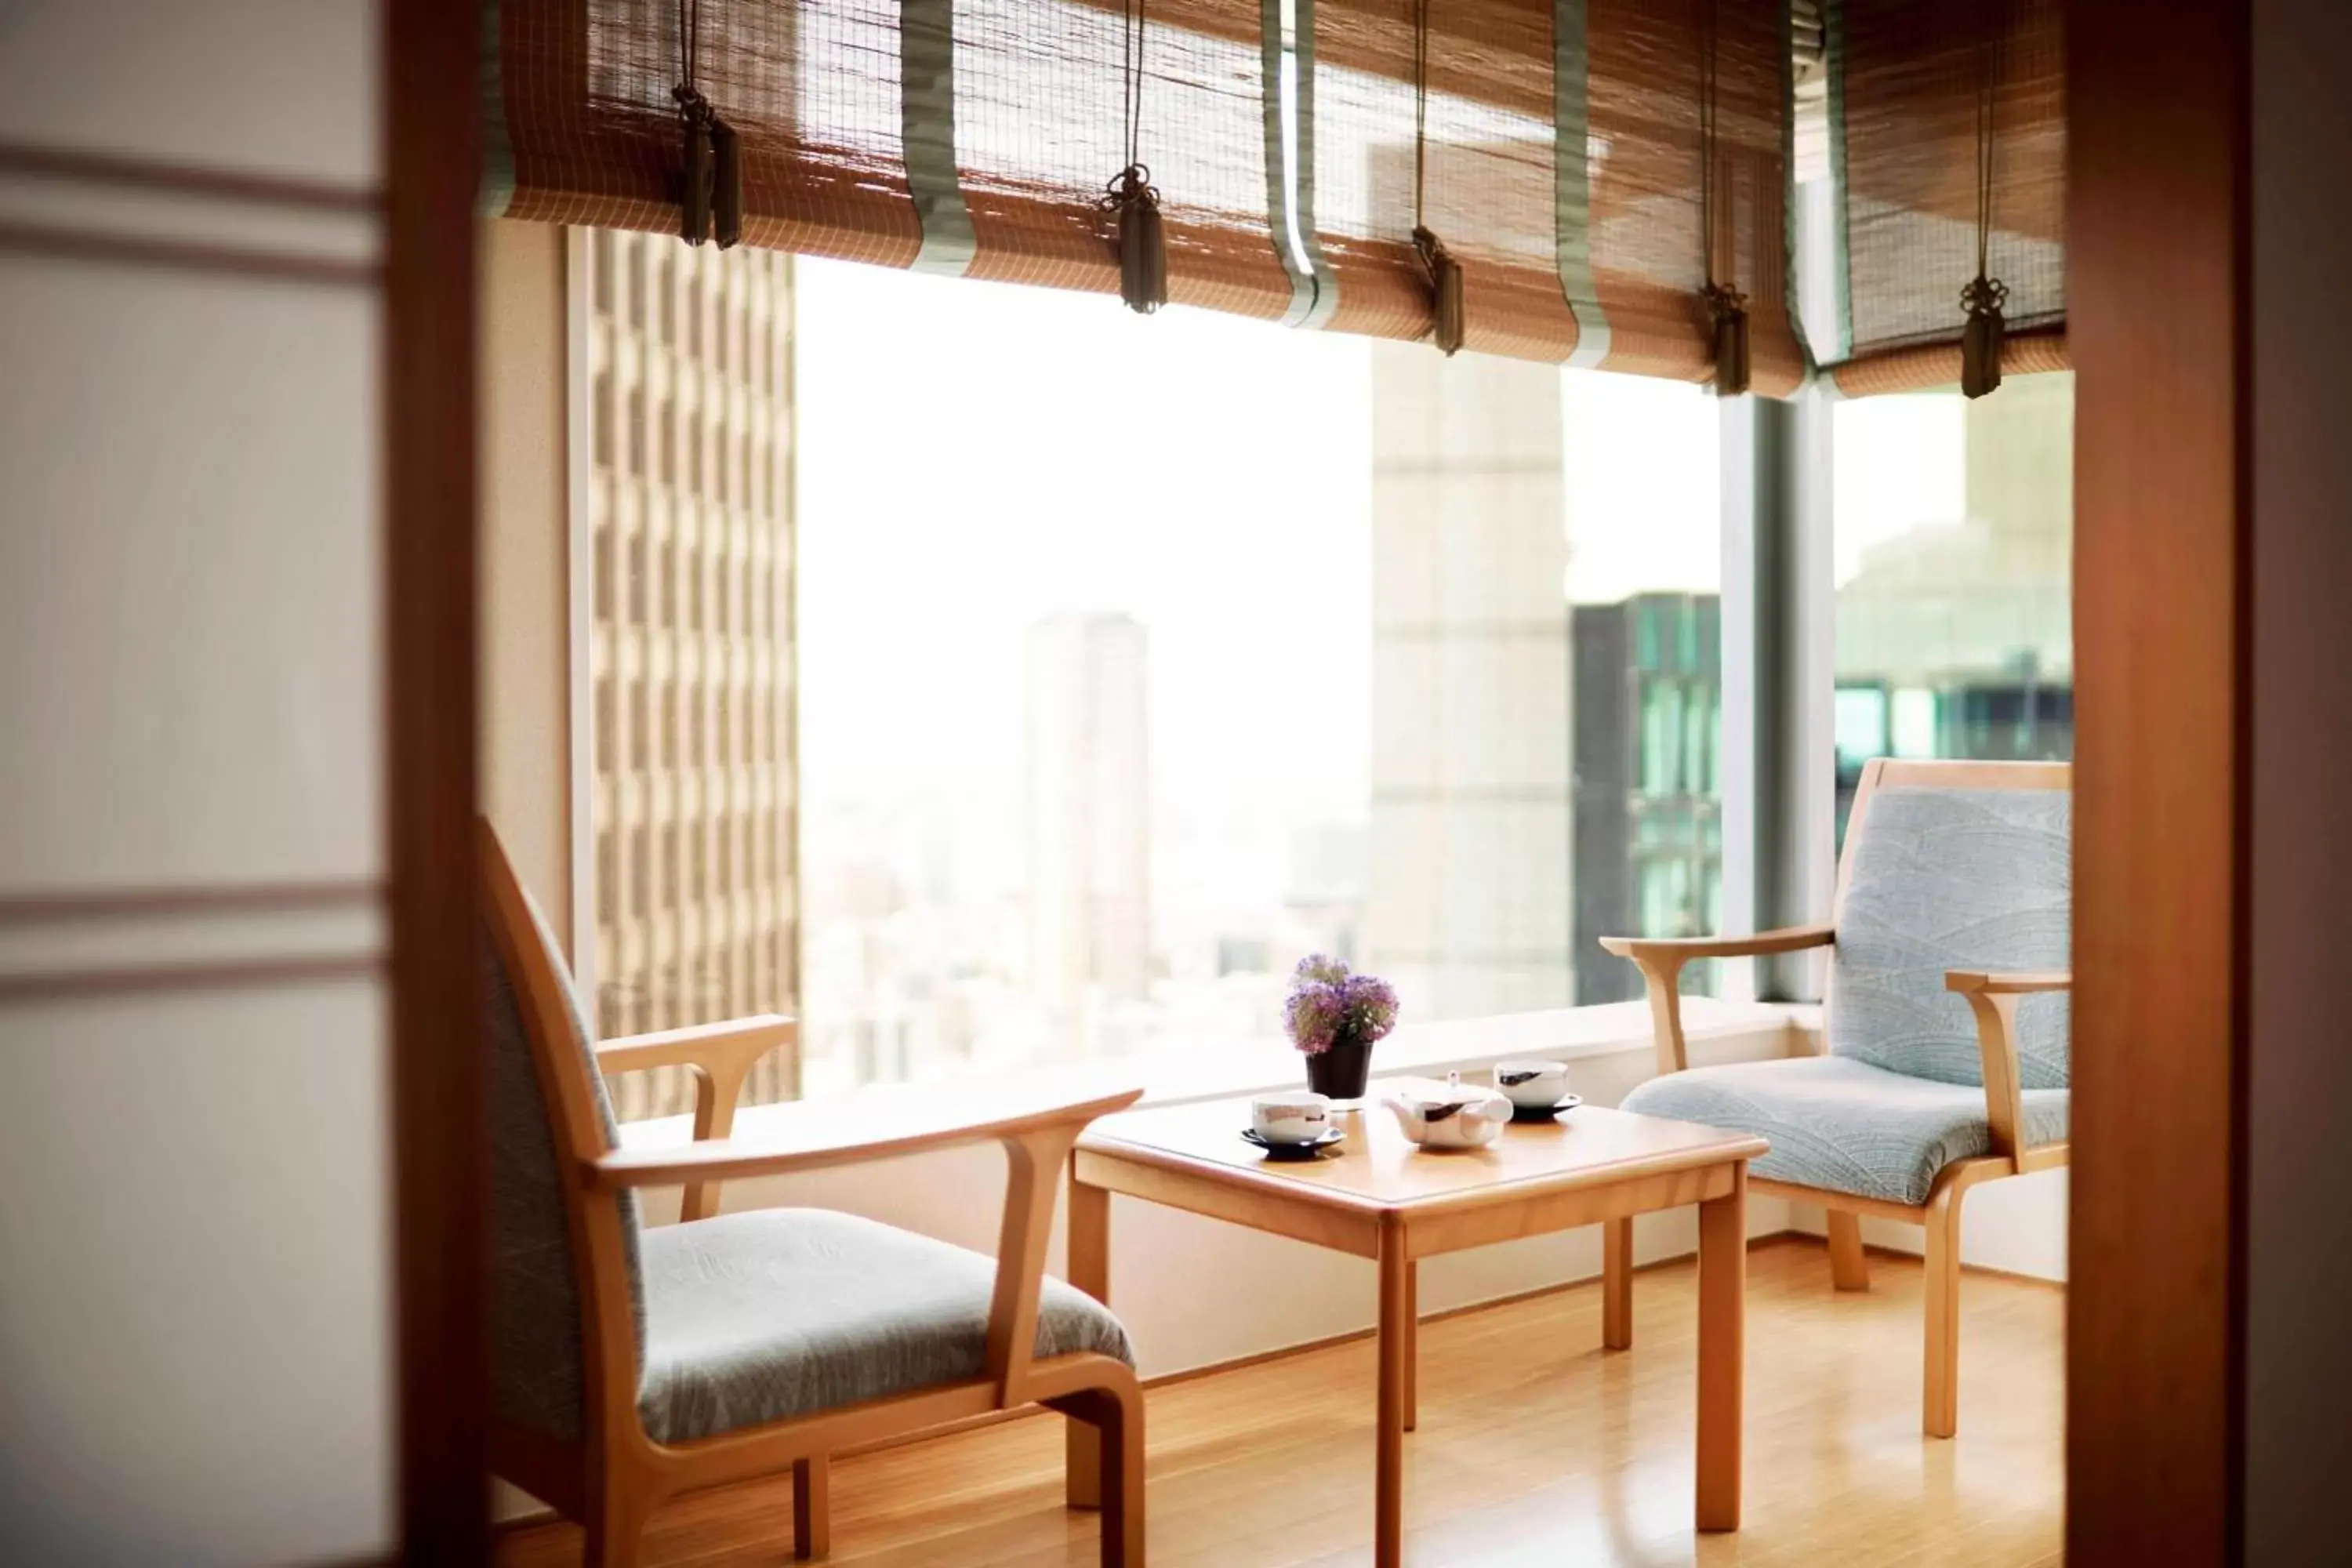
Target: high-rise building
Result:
[[690, 526], [1088, 815], [1468, 912], [1649, 818]]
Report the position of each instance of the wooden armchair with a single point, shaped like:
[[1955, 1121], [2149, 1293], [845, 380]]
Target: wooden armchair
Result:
[[633, 1363], [1955, 879]]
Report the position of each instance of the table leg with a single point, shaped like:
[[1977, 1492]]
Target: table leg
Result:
[[1617, 1284], [1090, 1272], [1396, 1380], [1412, 1346], [1722, 1292]]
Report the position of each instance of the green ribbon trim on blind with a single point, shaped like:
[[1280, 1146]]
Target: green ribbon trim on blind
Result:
[[1313, 291], [926, 136], [1792, 207], [498, 148], [1571, 117], [1841, 260]]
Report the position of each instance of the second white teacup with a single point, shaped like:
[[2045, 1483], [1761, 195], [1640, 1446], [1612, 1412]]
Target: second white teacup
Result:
[[1294, 1116], [1532, 1085]]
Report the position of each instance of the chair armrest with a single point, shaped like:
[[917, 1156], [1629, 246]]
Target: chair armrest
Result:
[[722, 1056], [1993, 997], [854, 1131], [1036, 1127], [1993, 983], [1660, 961], [733, 1042], [1681, 950]]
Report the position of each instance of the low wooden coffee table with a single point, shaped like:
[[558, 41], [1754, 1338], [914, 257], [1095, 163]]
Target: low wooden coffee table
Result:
[[1378, 1196]]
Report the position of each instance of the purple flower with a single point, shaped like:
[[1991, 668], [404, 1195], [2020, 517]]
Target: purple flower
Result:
[[1329, 1007]]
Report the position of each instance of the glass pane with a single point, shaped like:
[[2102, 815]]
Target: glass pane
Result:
[[1087, 672], [1954, 548], [1216, 646]]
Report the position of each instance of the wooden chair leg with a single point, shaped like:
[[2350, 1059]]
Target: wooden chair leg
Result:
[[1849, 1269], [1940, 1415], [1122, 1476], [617, 1513], [811, 1506], [1617, 1284]]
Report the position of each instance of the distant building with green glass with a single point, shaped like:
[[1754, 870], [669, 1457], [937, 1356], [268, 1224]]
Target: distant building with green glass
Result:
[[1648, 674]]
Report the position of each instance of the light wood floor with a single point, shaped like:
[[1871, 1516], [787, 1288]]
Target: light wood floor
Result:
[[1535, 1447]]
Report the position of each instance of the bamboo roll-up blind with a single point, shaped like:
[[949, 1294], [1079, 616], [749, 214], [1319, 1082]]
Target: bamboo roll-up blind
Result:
[[1904, 78], [1644, 60], [581, 128], [1490, 179], [1562, 156], [974, 137], [1040, 132], [1563, 167]]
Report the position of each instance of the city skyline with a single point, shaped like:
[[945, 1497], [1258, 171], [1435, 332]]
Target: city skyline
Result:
[[1290, 690]]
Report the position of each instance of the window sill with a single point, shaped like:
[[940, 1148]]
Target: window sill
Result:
[[1177, 1077]]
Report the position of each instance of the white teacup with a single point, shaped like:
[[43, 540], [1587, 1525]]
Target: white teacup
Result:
[[1294, 1116], [1532, 1085]]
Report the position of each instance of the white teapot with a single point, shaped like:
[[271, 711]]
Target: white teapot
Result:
[[1451, 1115]]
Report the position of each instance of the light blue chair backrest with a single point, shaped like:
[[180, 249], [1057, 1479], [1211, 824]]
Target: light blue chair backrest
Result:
[[1952, 878]]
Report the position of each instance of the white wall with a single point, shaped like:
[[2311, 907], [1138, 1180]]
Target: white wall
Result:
[[196, 1299], [526, 561]]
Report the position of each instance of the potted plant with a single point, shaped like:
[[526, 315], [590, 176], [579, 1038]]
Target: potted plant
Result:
[[1334, 1017]]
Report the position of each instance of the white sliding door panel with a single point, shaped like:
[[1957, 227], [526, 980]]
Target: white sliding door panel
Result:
[[286, 88], [189, 620], [196, 1287], [193, 1316]]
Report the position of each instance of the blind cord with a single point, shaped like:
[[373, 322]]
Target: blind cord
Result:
[[1727, 307], [1132, 71], [1448, 322], [1985, 297], [1420, 109]]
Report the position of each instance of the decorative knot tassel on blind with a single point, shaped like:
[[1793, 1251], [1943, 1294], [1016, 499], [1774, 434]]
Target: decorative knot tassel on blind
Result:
[[1142, 239], [1142, 242], [1444, 290], [1449, 326], [1982, 299], [710, 168]]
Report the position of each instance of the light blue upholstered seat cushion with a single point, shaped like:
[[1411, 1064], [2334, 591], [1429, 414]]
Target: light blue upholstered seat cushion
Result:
[[1944, 879], [1845, 1125], [752, 1318]]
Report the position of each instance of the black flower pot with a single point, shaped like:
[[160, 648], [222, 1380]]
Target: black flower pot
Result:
[[1342, 1071]]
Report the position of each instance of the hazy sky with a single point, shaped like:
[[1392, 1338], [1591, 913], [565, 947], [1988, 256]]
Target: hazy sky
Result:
[[975, 456], [1901, 463]]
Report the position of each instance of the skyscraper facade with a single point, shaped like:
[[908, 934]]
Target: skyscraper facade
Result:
[[1470, 872], [1087, 811]]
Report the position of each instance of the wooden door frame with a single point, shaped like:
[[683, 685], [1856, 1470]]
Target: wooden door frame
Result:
[[440, 1174], [2158, 304]]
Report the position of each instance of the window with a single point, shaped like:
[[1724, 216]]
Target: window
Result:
[[1141, 658], [1954, 542]]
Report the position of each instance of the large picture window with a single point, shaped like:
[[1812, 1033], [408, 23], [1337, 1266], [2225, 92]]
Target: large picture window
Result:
[[1141, 658]]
